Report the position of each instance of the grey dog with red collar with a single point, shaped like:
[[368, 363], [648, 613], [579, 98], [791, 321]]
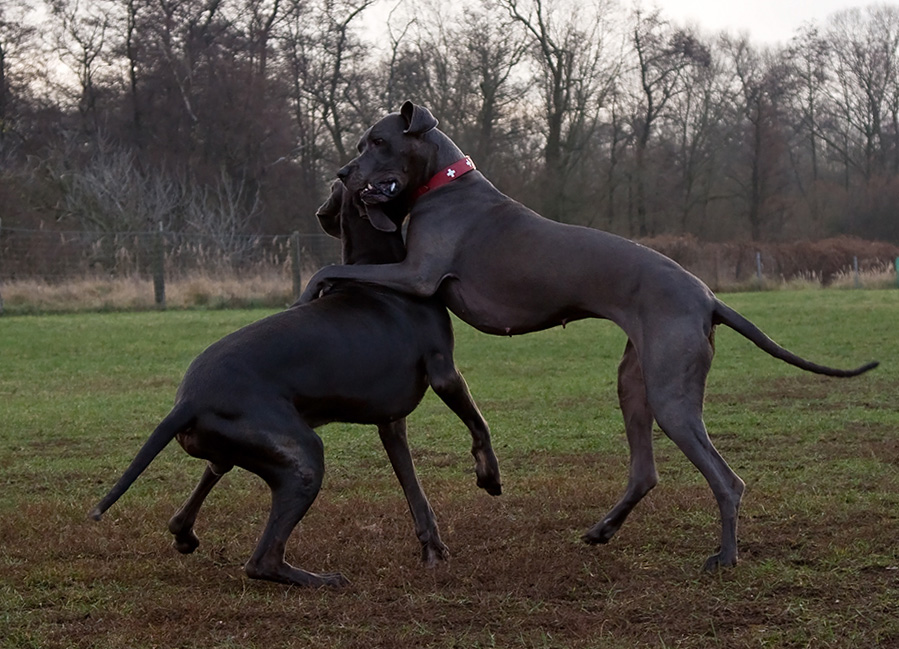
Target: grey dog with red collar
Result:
[[506, 270]]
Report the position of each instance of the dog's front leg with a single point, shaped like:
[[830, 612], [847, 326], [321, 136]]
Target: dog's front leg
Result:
[[403, 277], [450, 386], [393, 437]]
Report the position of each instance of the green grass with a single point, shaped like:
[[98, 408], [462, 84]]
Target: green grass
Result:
[[820, 567]]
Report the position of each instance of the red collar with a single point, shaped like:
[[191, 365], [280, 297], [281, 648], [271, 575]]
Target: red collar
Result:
[[455, 170]]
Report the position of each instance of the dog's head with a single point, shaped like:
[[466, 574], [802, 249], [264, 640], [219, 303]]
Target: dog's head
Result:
[[340, 216], [397, 155]]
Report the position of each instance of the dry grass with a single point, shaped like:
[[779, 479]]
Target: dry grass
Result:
[[879, 276], [198, 290], [729, 267], [204, 290], [882, 276], [273, 289]]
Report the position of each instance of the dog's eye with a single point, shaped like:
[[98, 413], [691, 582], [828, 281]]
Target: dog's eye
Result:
[[377, 141]]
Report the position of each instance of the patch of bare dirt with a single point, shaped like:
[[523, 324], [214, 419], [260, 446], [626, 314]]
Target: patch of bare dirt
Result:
[[518, 577]]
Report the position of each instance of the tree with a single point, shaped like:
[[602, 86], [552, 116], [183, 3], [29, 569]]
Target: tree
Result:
[[806, 60], [663, 57], [865, 63], [761, 81], [462, 67], [590, 112], [130, 48], [615, 137], [321, 56], [575, 70], [109, 191], [864, 114], [17, 44], [82, 41], [262, 22], [698, 119], [336, 53]]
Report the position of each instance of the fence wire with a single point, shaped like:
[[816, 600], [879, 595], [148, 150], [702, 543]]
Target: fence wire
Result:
[[56, 256], [43, 270]]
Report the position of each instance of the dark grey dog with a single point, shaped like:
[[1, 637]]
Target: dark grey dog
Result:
[[360, 354], [506, 270]]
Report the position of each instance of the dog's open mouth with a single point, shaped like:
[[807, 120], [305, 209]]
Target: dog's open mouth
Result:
[[380, 192]]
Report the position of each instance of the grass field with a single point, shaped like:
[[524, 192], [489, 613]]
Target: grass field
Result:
[[819, 525]]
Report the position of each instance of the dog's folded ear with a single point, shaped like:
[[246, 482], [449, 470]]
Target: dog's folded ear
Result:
[[418, 119], [379, 219], [328, 212]]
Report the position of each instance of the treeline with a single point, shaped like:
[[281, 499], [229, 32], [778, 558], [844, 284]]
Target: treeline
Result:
[[231, 116]]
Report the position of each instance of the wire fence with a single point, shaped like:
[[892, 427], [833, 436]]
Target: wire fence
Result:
[[60, 256], [43, 270]]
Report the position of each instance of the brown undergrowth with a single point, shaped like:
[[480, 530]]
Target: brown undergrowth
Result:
[[733, 265]]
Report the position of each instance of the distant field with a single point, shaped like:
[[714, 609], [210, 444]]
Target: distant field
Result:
[[819, 527]]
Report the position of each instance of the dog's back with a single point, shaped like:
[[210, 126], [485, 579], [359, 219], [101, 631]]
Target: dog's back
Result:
[[356, 355]]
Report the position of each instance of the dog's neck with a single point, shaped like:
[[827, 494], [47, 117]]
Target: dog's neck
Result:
[[361, 243], [446, 163], [446, 154]]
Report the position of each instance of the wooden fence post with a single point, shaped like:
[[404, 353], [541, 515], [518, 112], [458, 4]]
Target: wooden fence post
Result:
[[295, 264], [758, 268], [159, 267]]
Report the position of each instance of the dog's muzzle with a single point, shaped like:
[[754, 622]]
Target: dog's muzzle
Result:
[[380, 192]]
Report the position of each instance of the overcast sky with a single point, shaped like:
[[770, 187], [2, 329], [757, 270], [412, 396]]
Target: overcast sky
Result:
[[767, 21]]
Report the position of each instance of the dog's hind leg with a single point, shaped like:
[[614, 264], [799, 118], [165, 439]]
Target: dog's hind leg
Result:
[[393, 437], [638, 425], [292, 464], [450, 386], [675, 380], [181, 525]]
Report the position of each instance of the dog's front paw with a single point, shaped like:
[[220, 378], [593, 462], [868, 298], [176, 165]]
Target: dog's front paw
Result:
[[314, 290], [434, 552], [490, 484], [305, 298], [186, 543], [487, 471], [720, 560], [601, 533]]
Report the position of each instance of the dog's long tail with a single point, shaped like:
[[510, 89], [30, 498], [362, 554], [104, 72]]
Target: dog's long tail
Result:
[[723, 314], [179, 419]]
